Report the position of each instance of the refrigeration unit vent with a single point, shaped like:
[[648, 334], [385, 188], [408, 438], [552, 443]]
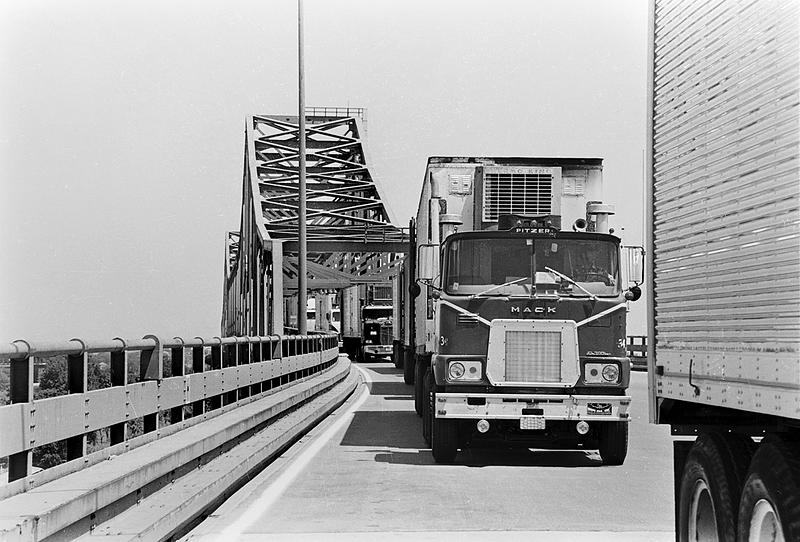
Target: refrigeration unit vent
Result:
[[528, 194]]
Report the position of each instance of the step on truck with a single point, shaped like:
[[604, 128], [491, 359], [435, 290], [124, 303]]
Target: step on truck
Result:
[[516, 306], [723, 221]]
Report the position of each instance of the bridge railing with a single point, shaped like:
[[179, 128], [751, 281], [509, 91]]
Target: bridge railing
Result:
[[225, 373]]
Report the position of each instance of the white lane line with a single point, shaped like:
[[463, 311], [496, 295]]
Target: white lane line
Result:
[[282, 482]]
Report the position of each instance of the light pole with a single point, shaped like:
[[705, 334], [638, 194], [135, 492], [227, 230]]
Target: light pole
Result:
[[302, 294]]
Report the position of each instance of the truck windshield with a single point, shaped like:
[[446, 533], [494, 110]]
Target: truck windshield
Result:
[[476, 265]]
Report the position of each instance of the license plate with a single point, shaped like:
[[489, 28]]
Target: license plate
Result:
[[531, 422]]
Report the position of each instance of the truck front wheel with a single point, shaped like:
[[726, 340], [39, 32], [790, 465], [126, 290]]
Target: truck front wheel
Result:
[[710, 487], [613, 442], [770, 504], [426, 405], [444, 439], [419, 385]]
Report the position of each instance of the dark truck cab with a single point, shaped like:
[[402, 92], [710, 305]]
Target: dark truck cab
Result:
[[531, 343]]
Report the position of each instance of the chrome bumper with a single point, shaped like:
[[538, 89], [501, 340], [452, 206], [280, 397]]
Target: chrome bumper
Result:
[[599, 408]]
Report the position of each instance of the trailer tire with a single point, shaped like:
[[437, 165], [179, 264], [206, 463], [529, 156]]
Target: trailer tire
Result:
[[426, 405], [613, 442], [770, 505], [398, 354], [408, 369], [419, 387], [444, 437], [710, 487]]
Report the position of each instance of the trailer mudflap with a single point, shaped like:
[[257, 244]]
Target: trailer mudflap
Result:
[[599, 408]]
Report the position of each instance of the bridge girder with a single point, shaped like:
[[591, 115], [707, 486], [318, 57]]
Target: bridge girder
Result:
[[350, 228]]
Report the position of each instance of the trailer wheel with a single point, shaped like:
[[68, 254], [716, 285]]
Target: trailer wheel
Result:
[[710, 488], [419, 385], [408, 369], [770, 504], [426, 405], [444, 436], [397, 355], [613, 442]]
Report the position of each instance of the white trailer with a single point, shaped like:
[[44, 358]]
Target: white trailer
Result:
[[723, 213]]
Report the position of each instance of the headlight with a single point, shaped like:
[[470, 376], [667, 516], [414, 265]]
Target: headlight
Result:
[[610, 373], [456, 370], [600, 373], [464, 370]]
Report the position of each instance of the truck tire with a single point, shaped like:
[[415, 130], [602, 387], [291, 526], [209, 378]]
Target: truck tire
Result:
[[710, 487], [444, 437], [613, 442], [398, 355], [408, 369], [419, 385], [426, 405], [770, 505]]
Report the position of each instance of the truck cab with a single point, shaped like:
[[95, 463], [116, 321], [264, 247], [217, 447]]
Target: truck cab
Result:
[[530, 347], [377, 331]]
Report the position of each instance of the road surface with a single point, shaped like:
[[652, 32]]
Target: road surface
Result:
[[366, 474]]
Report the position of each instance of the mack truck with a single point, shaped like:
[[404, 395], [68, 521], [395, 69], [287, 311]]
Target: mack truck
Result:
[[517, 306], [723, 262]]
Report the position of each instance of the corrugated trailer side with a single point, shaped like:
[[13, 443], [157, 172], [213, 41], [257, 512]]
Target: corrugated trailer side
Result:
[[723, 216]]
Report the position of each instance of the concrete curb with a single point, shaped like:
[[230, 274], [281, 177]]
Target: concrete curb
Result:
[[76, 501]]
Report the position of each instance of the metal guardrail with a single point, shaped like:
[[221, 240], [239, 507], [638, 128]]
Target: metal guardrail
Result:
[[241, 369]]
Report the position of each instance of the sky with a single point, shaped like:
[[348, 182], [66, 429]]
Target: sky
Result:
[[122, 129]]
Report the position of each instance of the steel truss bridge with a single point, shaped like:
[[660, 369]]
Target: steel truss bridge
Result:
[[352, 236]]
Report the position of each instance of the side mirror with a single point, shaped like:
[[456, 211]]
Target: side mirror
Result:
[[414, 290], [633, 293], [427, 256], [633, 262]]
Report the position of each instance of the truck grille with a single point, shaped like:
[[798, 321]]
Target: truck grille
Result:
[[533, 356]]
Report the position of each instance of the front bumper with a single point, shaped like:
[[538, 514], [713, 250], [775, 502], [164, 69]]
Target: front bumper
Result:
[[597, 408], [378, 349]]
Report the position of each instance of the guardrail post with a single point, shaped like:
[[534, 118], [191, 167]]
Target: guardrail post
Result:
[[216, 363], [119, 377], [255, 357], [151, 367], [21, 391], [198, 366], [176, 355], [77, 383]]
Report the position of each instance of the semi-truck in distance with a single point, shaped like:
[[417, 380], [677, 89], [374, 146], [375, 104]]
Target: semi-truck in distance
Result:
[[516, 306], [367, 321], [723, 221]]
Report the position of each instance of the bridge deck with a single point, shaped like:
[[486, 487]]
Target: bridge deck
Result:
[[366, 470]]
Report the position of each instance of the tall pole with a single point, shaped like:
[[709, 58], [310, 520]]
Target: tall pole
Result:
[[302, 294]]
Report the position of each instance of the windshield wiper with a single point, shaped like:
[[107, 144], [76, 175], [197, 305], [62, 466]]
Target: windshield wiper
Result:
[[571, 281], [509, 283]]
